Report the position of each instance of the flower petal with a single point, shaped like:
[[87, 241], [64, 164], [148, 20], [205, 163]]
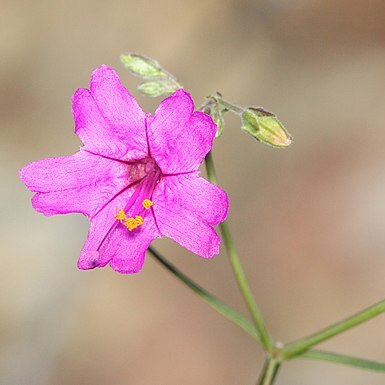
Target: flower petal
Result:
[[93, 130], [69, 201], [183, 225], [180, 138], [102, 226], [111, 242], [124, 118], [195, 194], [128, 248], [82, 182]]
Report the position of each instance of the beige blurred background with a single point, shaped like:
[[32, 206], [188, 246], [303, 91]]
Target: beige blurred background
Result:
[[309, 222]]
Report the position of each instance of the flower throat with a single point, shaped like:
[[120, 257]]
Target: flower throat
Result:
[[146, 174]]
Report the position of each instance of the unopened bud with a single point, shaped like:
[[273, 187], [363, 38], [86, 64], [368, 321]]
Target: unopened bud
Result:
[[157, 88], [217, 115], [265, 127], [141, 66]]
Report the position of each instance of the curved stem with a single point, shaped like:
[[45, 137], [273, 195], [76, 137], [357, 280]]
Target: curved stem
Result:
[[269, 372], [210, 299], [238, 270], [296, 348]]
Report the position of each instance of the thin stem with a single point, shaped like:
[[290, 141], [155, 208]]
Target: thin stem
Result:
[[238, 270], [296, 348], [343, 360], [229, 106], [210, 299], [269, 372]]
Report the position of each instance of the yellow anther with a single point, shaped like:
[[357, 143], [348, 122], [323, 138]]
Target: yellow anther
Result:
[[133, 223], [139, 220], [147, 204], [120, 216], [130, 223]]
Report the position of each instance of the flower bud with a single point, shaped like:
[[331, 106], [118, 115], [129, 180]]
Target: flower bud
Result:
[[141, 66], [217, 115], [265, 127], [157, 88]]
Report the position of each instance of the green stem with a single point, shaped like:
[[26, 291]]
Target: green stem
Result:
[[296, 348], [210, 299], [343, 360], [238, 270], [229, 106], [269, 372]]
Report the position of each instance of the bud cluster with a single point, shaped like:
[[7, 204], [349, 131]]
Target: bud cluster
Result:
[[158, 81], [258, 122]]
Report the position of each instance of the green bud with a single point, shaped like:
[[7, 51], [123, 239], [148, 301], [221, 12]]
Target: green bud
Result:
[[219, 121], [157, 88], [141, 66], [265, 127], [217, 115]]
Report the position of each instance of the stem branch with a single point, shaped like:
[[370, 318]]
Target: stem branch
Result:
[[269, 372], [238, 270], [296, 348]]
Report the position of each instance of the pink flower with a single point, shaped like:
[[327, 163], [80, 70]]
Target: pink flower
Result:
[[136, 177]]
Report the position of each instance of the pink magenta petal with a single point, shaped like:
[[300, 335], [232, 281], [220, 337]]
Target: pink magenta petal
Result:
[[69, 201], [68, 172], [111, 242], [103, 226], [195, 194], [98, 134], [127, 249], [123, 115], [179, 138], [181, 224], [79, 183]]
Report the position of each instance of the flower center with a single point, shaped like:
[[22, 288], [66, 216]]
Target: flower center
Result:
[[147, 174]]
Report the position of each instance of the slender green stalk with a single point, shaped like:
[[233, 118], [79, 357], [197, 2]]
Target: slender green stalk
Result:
[[229, 106], [238, 270], [298, 347], [343, 359], [269, 372], [210, 299]]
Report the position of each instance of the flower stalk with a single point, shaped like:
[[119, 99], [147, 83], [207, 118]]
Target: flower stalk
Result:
[[238, 271]]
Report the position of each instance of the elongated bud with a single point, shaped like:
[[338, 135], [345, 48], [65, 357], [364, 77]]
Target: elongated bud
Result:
[[265, 127], [141, 66], [157, 88], [217, 115]]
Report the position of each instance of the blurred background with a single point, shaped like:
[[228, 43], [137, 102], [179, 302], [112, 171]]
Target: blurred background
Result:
[[308, 221]]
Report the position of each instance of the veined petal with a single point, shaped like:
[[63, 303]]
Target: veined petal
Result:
[[82, 182], [179, 138], [195, 194], [94, 130], [68, 172], [125, 124], [183, 225], [84, 201], [127, 249], [103, 225], [111, 242]]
